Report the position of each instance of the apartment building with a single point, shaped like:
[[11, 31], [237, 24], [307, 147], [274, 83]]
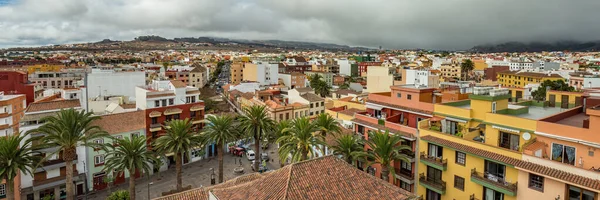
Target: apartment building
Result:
[[57, 80], [199, 76], [293, 80], [325, 76], [108, 82], [12, 108], [521, 79], [398, 112], [379, 78], [122, 125], [236, 72], [307, 96], [49, 178], [451, 70], [44, 68], [17, 82], [473, 149], [262, 72], [364, 66], [418, 77]]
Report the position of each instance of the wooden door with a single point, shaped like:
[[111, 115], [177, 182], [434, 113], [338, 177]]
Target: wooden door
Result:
[[552, 100], [564, 101], [119, 178], [99, 183]]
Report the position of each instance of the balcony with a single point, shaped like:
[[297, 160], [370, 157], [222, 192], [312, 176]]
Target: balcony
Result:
[[493, 182], [410, 154], [435, 162], [472, 197], [54, 180], [381, 124], [405, 175], [53, 164], [155, 127], [438, 186]]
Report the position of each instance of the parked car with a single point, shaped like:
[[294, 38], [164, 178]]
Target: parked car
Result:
[[250, 154], [261, 168]]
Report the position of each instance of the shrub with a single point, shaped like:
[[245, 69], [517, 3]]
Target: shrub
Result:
[[119, 195]]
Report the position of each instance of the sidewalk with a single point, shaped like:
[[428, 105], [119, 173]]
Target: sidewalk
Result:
[[196, 174]]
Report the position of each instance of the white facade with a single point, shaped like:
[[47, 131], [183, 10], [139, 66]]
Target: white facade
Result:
[[109, 83], [315, 107], [420, 78], [517, 66], [345, 67], [161, 93], [267, 73], [286, 79], [245, 87]]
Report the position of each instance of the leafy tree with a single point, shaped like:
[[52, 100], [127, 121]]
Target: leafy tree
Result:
[[165, 65], [300, 140], [322, 88], [314, 80], [209, 104], [348, 146], [119, 195], [560, 85], [281, 128], [15, 158], [384, 149], [256, 122], [327, 125], [180, 140], [66, 131], [466, 66], [129, 154], [220, 131]]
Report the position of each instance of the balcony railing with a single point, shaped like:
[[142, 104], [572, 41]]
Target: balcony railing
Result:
[[50, 180], [494, 182], [409, 153], [404, 173], [435, 162], [436, 185], [472, 197]]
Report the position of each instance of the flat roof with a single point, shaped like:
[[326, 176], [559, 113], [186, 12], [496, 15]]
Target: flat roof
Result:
[[575, 120], [537, 113], [9, 96]]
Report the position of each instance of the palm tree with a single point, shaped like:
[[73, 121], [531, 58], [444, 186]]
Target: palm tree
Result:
[[15, 158], [466, 66], [129, 154], [347, 147], [322, 88], [300, 140], [68, 130], [384, 149], [179, 140], [327, 125], [314, 79], [220, 131], [257, 123]]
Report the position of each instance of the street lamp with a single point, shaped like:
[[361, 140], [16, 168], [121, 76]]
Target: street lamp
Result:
[[149, 184], [212, 176]]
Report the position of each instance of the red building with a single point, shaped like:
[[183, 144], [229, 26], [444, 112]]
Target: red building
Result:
[[156, 117], [17, 82], [492, 72], [362, 66]]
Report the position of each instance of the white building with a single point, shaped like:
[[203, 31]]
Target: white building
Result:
[[421, 78], [264, 72], [307, 96], [518, 66], [345, 66], [245, 87], [162, 93], [111, 83]]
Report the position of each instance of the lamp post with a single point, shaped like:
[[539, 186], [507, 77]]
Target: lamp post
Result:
[[212, 176], [148, 186]]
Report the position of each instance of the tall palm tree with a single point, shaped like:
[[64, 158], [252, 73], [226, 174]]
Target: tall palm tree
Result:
[[300, 140], [15, 158], [348, 146], [327, 125], [220, 131], [384, 150], [68, 130], [466, 66], [257, 123], [129, 154], [322, 88], [179, 140], [314, 79]]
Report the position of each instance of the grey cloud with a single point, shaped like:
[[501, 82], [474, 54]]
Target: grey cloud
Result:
[[440, 24]]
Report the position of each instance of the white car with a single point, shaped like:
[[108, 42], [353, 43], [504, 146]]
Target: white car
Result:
[[250, 154]]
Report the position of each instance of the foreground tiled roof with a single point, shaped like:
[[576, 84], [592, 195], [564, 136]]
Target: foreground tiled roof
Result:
[[202, 192], [400, 107], [53, 105], [535, 168], [178, 84], [382, 128], [122, 122], [351, 111], [312, 97], [320, 178]]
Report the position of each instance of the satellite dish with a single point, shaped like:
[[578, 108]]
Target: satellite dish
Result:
[[526, 136]]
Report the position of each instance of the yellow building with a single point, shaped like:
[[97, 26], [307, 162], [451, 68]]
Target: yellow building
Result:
[[44, 68], [521, 79], [450, 70], [479, 64], [564, 99], [237, 73], [472, 148], [250, 72]]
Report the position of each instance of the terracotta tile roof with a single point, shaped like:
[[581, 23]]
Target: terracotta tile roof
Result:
[[382, 128], [178, 84], [53, 105], [160, 95], [304, 89], [298, 104], [532, 167], [193, 92], [122, 122], [346, 99], [128, 106], [351, 111], [320, 178], [247, 95], [202, 192], [330, 138], [312, 97], [198, 68], [400, 107]]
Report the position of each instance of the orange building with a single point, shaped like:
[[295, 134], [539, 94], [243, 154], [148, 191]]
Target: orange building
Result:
[[11, 111]]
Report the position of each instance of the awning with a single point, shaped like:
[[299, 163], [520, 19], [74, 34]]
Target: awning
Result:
[[173, 111], [456, 120], [155, 114], [197, 108], [506, 129], [436, 118]]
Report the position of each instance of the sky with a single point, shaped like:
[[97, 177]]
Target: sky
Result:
[[392, 24]]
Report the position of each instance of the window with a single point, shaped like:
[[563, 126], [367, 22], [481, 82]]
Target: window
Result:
[[494, 171], [171, 101], [154, 120], [99, 159], [435, 151], [461, 158], [311, 105], [489, 194], [494, 107], [405, 186], [164, 102], [176, 116], [322, 104], [118, 137], [509, 141], [408, 96], [576, 193], [536, 182], [2, 190], [157, 103], [193, 114], [280, 116], [287, 116], [99, 141], [168, 117], [398, 95], [296, 114], [196, 153], [311, 113], [134, 135], [459, 183], [563, 153]]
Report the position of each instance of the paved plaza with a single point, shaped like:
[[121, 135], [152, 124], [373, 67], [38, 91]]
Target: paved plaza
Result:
[[196, 174]]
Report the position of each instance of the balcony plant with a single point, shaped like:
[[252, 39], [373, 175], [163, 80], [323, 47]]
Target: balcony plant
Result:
[[435, 128]]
